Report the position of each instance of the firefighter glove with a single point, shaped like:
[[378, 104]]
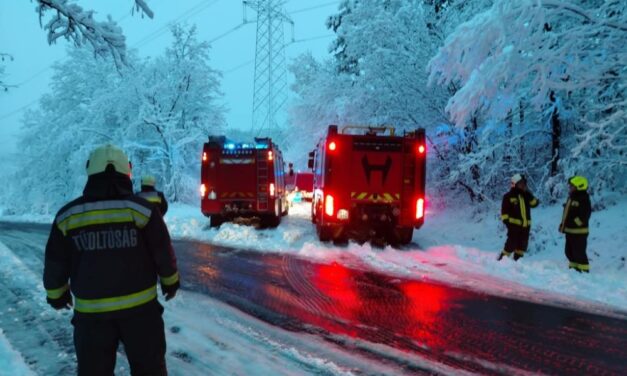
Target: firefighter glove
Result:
[[169, 291], [63, 302]]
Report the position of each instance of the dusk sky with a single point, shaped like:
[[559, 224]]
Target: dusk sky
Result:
[[22, 37]]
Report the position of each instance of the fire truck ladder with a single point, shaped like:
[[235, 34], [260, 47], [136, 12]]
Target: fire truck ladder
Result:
[[409, 178], [262, 180]]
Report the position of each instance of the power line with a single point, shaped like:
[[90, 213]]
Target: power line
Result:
[[312, 8], [191, 12], [312, 38], [18, 110]]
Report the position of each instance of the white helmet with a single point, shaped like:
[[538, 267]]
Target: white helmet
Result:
[[106, 155], [517, 178]]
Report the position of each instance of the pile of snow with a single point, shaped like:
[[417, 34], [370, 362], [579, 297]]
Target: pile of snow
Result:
[[457, 247], [10, 360]]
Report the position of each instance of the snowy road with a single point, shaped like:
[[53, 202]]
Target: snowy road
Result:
[[365, 322]]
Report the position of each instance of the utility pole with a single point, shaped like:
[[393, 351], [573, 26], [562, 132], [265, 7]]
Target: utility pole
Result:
[[270, 92]]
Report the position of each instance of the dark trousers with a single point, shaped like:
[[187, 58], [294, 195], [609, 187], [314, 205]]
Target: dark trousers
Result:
[[96, 342], [576, 249], [517, 240]]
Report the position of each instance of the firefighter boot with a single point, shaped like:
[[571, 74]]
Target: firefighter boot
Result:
[[518, 254], [503, 254]]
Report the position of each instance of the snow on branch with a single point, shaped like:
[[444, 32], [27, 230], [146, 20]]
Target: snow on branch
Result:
[[73, 23], [141, 6]]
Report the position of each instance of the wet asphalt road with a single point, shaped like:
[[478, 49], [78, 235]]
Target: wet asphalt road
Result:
[[360, 309], [463, 329]]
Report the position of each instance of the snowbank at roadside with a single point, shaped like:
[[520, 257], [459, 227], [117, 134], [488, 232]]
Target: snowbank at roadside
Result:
[[455, 247], [11, 362]]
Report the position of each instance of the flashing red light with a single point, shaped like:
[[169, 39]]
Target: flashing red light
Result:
[[204, 156], [272, 190], [203, 190], [421, 149], [270, 155], [420, 208], [328, 205], [332, 146]]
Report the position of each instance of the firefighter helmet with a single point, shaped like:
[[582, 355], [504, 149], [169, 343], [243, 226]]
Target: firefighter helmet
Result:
[[517, 178], [149, 180], [579, 182], [106, 155]]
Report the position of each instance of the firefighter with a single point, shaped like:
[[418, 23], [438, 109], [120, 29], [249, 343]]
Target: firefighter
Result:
[[516, 215], [108, 249], [574, 224], [149, 193]]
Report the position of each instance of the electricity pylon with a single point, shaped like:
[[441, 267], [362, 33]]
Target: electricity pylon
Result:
[[270, 92]]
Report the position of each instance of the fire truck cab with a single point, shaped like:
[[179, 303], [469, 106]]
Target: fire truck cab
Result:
[[368, 182], [242, 180]]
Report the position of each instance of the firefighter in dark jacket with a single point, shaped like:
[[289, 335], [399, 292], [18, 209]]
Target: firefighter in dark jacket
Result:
[[149, 192], [516, 215], [574, 224], [110, 248]]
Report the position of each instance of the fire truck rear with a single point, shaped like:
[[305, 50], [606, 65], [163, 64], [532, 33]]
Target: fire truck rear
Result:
[[242, 180], [369, 182]]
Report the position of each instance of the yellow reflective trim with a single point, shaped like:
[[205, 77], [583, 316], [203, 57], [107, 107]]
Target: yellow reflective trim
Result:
[[168, 281], [57, 293], [97, 217], [564, 215], [519, 252], [504, 217], [513, 200], [533, 203], [578, 221], [523, 211], [584, 267], [506, 253], [515, 221], [575, 203], [362, 195], [576, 231], [115, 303], [572, 265]]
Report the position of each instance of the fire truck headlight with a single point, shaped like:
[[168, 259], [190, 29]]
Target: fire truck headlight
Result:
[[342, 214], [203, 190]]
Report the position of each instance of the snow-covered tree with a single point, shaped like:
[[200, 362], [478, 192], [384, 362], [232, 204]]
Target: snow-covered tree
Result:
[[557, 68], [180, 106], [159, 111], [72, 22], [4, 86]]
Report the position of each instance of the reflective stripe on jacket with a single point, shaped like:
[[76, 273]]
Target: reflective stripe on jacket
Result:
[[516, 207], [576, 215]]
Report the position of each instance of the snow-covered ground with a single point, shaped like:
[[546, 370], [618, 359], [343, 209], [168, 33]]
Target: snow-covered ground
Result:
[[456, 247]]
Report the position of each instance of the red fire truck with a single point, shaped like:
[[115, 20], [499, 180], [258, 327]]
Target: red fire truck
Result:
[[368, 182], [242, 180]]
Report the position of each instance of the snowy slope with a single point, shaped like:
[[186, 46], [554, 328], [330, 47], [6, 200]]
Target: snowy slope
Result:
[[11, 362], [457, 247]]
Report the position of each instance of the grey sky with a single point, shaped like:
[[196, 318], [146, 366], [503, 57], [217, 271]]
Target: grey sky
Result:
[[22, 37]]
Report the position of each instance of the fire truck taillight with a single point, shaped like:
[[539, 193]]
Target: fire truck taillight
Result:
[[420, 208], [203, 190], [328, 205], [272, 191], [332, 146], [421, 149], [270, 155], [204, 156]]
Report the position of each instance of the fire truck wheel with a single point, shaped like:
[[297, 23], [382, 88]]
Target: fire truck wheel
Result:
[[216, 220], [402, 235], [324, 233], [286, 211], [271, 220]]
